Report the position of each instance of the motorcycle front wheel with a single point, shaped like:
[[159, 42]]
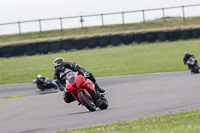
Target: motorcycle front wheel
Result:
[[88, 103]]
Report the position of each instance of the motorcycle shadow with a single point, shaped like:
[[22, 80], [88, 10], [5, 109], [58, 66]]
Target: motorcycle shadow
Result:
[[49, 91], [87, 112]]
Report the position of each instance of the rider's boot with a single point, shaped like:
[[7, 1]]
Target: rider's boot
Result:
[[98, 88], [97, 98]]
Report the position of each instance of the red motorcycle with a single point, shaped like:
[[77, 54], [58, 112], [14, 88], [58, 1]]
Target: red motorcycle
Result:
[[83, 90]]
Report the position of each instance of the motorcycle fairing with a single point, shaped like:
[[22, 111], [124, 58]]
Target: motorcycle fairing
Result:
[[76, 83], [191, 61]]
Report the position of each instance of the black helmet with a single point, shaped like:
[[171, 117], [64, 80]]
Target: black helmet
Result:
[[58, 63], [186, 53]]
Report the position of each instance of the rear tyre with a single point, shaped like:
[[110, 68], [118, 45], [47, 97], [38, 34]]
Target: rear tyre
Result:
[[54, 86], [196, 69], [104, 105], [88, 103]]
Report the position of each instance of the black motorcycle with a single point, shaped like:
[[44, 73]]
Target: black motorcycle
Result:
[[47, 84], [193, 65]]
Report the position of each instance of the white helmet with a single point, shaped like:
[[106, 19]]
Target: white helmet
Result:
[[39, 76]]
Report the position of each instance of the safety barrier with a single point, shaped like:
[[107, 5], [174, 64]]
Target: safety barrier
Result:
[[55, 46], [101, 41], [104, 41], [92, 42], [67, 44], [127, 38], [116, 40], [31, 49], [80, 43]]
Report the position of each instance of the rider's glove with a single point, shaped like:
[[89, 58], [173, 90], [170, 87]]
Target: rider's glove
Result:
[[86, 74]]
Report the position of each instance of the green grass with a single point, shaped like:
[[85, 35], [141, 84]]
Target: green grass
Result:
[[185, 122], [110, 61], [154, 25]]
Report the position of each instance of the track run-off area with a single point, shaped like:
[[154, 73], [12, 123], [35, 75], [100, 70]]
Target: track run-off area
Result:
[[130, 97]]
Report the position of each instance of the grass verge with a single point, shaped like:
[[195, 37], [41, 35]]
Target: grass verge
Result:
[[184, 122], [154, 25], [110, 61]]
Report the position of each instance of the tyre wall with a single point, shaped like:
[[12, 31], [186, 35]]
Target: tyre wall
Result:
[[174, 35], [116, 40], [163, 36], [140, 37], [92, 42], [151, 37], [185, 34], [55, 46], [67, 44], [80, 44], [104, 41], [0, 53], [19, 50], [127, 38], [43, 47], [7, 51], [196, 33]]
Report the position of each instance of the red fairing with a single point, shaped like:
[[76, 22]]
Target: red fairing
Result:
[[89, 85], [80, 81], [79, 84]]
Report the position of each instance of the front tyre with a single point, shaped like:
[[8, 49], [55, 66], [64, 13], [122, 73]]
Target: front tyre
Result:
[[88, 103]]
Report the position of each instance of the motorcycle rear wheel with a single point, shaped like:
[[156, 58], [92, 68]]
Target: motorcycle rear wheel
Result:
[[104, 105], [54, 86], [88, 103], [196, 69]]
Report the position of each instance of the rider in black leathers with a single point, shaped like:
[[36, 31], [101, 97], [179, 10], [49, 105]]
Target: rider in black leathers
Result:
[[40, 82], [186, 57], [60, 65], [43, 83]]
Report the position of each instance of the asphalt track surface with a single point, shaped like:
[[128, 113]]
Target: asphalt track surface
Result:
[[130, 97]]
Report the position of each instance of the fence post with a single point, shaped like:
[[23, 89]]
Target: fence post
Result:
[[123, 17], [143, 16], [61, 24], [19, 27], [81, 22], [183, 12], [163, 11], [40, 25], [102, 19]]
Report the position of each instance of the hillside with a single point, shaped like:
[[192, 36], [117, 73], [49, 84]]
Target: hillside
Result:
[[154, 25]]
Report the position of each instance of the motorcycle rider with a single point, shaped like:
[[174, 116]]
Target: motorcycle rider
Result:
[[60, 65], [44, 83], [40, 82], [186, 57]]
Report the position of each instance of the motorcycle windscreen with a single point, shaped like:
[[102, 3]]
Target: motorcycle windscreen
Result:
[[71, 77], [47, 80]]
